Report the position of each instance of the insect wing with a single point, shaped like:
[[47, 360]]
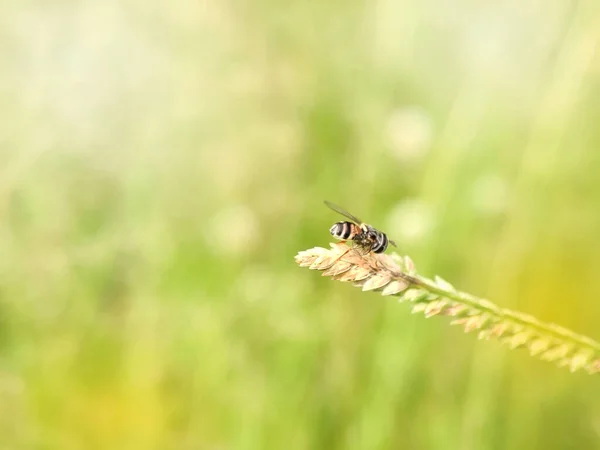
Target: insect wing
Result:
[[361, 248], [343, 212]]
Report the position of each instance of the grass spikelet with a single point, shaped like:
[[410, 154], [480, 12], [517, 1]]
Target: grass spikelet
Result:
[[443, 283], [538, 346], [499, 329], [476, 322], [377, 281], [414, 295], [395, 287], [594, 367], [484, 334], [419, 307], [519, 339], [456, 310], [394, 275], [435, 307], [578, 361]]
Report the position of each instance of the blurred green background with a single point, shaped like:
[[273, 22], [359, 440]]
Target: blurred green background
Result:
[[162, 163]]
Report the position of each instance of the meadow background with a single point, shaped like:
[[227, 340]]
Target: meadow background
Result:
[[161, 163]]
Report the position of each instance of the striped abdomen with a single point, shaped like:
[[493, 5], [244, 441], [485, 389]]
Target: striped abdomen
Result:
[[381, 243], [345, 230]]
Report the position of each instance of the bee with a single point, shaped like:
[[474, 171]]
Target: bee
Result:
[[364, 237]]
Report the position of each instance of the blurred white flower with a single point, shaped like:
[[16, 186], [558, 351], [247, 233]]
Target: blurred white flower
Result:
[[489, 195], [410, 221], [233, 230], [409, 133]]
